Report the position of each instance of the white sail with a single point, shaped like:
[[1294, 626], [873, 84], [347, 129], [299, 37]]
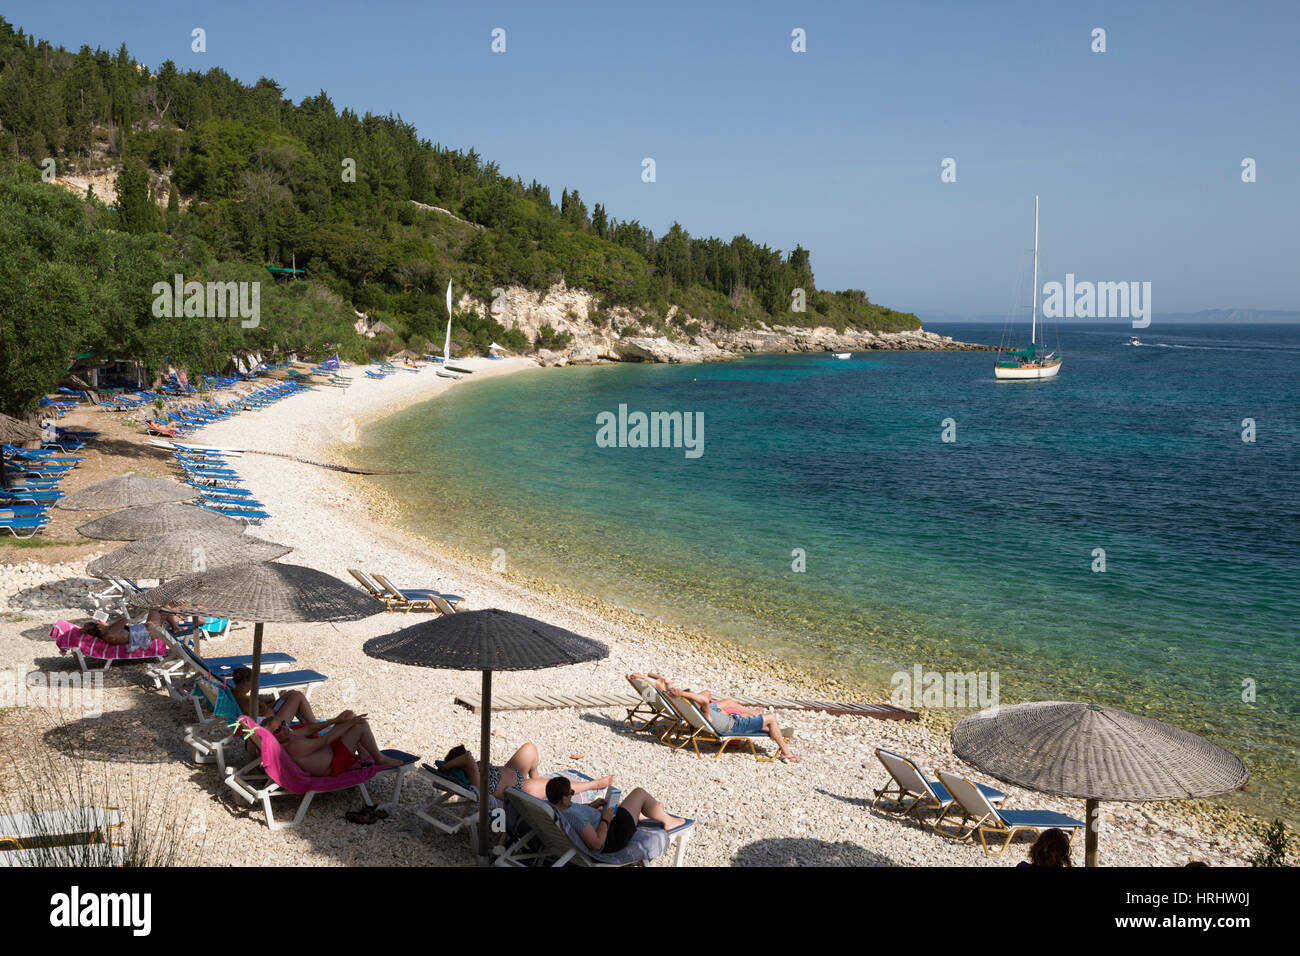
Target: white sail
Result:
[[446, 346]]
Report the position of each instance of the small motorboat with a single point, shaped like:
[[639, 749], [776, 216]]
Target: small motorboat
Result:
[[842, 355], [1134, 340]]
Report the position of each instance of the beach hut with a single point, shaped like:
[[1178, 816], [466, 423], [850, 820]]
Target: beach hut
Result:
[[127, 491], [1094, 753], [486, 641]]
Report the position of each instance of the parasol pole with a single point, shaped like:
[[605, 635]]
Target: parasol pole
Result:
[[257, 671], [485, 746], [1092, 814]]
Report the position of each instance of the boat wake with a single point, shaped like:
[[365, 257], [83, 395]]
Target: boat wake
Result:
[[1210, 348]]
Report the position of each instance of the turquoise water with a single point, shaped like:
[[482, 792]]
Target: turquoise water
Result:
[[970, 555]]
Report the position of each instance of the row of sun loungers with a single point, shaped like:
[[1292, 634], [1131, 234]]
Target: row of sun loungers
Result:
[[32, 478], [961, 808], [220, 487]]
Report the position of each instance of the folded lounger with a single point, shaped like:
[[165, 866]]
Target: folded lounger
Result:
[[978, 815], [69, 637], [284, 776], [698, 729], [87, 836], [913, 792], [552, 838]]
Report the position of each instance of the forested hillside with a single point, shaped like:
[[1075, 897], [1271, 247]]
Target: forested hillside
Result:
[[217, 180]]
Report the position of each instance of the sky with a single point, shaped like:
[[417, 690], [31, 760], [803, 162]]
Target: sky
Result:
[[1136, 153]]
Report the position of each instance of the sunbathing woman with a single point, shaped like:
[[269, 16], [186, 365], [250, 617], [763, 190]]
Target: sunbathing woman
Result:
[[519, 773], [136, 636], [327, 748], [290, 706], [725, 715]]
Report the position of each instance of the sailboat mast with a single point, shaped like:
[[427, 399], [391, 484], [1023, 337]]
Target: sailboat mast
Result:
[[1033, 328]]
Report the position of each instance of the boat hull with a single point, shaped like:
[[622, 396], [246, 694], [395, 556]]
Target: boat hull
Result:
[[1027, 372]]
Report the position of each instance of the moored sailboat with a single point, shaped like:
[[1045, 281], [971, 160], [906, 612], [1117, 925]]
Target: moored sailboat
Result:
[[1028, 363]]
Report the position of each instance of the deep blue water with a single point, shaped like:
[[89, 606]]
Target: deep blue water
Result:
[[970, 555]]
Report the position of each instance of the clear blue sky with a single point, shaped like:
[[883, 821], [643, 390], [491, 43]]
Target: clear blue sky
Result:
[[1136, 152]]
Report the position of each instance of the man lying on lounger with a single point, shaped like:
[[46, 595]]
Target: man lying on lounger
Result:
[[725, 715], [520, 773], [603, 828], [289, 707], [327, 748]]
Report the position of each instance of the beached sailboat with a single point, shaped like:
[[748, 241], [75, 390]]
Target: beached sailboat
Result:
[[1027, 363], [445, 372]]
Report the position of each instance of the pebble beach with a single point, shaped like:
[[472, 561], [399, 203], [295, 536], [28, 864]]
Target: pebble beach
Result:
[[815, 812]]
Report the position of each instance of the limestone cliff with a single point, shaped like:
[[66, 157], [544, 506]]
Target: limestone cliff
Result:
[[617, 334]]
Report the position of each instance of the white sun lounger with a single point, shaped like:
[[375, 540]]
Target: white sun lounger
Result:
[[549, 837], [912, 792], [978, 815], [699, 729]]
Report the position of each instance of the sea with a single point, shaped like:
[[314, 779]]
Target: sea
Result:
[[1128, 533]]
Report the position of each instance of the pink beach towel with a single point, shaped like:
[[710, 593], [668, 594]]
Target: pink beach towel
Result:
[[69, 636], [285, 771]]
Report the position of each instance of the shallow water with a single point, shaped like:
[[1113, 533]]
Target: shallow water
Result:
[[976, 554]]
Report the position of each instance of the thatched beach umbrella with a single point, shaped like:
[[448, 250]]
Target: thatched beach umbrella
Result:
[[184, 552], [487, 641], [15, 432], [127, 491], [132, 524], [261, 593], [1095, 753]]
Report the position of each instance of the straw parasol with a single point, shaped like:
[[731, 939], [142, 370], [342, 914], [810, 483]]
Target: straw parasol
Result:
[[184, 552], [132, 524], [261, 593], [127, 491], [15, 432], [487, 641], [1095, 753]]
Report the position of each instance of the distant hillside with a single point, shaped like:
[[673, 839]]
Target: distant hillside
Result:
[[227, 175]]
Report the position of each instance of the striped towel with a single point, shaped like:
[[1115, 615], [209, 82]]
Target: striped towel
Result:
[[68, 636]]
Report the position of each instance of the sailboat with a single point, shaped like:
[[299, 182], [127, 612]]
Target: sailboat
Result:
[[445, 372], [1027, 363]]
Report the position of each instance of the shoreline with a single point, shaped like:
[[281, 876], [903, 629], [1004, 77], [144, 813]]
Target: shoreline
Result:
[[748, 813]]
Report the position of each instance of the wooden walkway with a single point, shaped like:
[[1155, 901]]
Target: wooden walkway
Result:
[[596, 701]]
